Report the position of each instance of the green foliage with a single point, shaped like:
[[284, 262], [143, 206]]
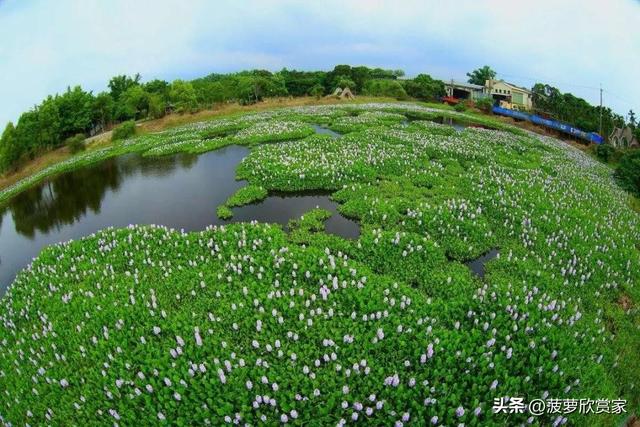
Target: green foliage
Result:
[[628, 171], [247, 195], [460, 107], [301, 83], [317, 91], [9, 149], [355, 77], [301, 230], [103, 110], [120, 84], [568, 108], [133, 104], [59, 117], [183, 96], [343, 82], [227, 314], [75, 143], [255, 85], [424, 87], [384, 87], [157, 106], [481, 75], [224, 212], [604, 152], [124, 130], [484, 104]]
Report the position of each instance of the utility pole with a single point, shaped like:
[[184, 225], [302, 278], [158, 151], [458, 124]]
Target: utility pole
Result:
[[600, 131]]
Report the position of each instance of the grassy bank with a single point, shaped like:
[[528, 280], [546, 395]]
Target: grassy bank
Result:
[[209, 130], [247, 323], [172, 120]]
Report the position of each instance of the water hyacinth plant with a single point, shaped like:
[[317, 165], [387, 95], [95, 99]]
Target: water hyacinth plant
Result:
[[248, 324]]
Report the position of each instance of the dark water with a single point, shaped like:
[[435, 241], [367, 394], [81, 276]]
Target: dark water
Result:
[[323, 130], [477, 265], [271, 210], [459, 126], [180, 191]]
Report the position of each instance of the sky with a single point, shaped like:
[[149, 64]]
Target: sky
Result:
[[576, 45]]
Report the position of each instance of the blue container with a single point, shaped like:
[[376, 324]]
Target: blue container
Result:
[[553, 124]]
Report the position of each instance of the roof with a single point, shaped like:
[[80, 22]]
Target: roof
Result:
[[514, 86], [463, 84]]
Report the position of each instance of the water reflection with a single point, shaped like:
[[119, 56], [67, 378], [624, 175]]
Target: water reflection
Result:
[[477, 265], [180, 191], [323, 130], [281, 207]]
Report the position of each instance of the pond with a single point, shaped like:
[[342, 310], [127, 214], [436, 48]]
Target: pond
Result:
[[323, 130], [180, 191], [477, 265]]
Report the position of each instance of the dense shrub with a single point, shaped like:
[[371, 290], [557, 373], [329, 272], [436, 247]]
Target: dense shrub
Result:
[[124, 130], [385, 87], [317, 91], [460, 107], [628, 171], [604, 152], [424, 87], [75, 143], [484, 104]]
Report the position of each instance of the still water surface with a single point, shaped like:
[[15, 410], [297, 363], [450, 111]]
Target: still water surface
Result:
[[180, 191]]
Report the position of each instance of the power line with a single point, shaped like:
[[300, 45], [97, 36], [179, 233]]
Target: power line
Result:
[[556, 82], [620, 98], [549, 81]]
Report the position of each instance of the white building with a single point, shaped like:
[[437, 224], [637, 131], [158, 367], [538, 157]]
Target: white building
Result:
[[517, 96]]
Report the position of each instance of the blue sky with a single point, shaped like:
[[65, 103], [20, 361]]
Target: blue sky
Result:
[[574, 44]]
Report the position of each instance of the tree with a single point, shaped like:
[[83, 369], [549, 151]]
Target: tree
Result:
[[75, 110], [9, 150], [158, 87], [183, 96], [49, 124], [317, 91], [132, 104], [632, 119], [301, 83], [424, 87], [359, 76], [157, 106], [345, 82], [102, 110], [385, 87], [120, 84], [481, 75], [628, 171]]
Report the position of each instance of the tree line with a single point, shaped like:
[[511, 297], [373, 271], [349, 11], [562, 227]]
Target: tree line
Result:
[[77, 113], [567, 107]]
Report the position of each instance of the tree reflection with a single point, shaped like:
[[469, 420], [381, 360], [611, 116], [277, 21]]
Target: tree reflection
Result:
[[67, 198]]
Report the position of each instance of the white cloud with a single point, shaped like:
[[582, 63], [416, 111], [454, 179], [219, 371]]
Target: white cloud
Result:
[[47, 46]]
